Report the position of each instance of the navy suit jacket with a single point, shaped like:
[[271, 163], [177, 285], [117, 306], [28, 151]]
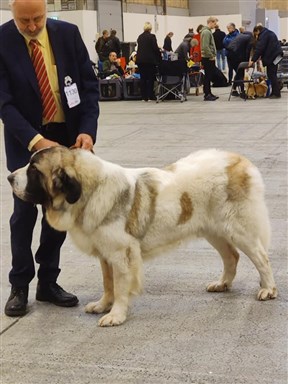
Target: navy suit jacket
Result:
[[20, 100]]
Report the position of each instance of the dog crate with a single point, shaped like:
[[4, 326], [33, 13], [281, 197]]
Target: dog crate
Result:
[[110, 89], [132, 89]]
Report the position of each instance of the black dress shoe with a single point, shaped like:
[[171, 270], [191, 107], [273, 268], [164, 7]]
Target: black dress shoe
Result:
[[275, 96], [235, 93], [17, 302], [210, 98], [216, 97], [54, 294]]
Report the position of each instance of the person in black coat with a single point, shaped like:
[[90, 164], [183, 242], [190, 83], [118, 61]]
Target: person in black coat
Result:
[[148, 57], [114, 43], [269, 50], [101, 46], [168, 42], [239, 51], [219, 36]]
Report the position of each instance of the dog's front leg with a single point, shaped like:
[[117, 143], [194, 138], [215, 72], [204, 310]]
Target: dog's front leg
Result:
[[106, 301], [127, 267]]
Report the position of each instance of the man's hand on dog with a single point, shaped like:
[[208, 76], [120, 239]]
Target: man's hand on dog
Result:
[[84, 141], [44, 143]]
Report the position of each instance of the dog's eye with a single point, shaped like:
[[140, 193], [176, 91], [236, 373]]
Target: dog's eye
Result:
[[32, 169]]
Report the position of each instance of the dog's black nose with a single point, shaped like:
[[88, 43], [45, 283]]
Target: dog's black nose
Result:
[[11, 178]]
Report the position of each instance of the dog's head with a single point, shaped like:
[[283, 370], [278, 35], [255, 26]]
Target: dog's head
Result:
[[49, 178]]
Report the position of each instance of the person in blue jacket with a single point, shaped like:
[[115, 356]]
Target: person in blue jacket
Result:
[[232, 33], [74, 87], [268, 48]]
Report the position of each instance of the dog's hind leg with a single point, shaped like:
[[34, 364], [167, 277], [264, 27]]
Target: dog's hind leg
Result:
[[230, 259], [106, 301], [254, 248], [127, 269]]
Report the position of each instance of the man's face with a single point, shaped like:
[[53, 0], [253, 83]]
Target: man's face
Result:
[[212, 24], [113, 57], [230, 28], [29, 16]]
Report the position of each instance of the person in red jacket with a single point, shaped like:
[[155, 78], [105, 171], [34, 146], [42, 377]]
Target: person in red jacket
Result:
[[195, 51]]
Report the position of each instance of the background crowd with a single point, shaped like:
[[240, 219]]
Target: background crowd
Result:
[[218, 53]]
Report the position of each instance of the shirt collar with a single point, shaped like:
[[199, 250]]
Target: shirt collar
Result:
[[42, 38]]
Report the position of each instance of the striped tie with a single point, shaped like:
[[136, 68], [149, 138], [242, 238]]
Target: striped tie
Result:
[[48, 101]]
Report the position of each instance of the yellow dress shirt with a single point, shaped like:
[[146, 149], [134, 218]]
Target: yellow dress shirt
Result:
[[49, 60]]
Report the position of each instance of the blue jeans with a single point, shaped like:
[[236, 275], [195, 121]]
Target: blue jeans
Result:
[[220, 55]]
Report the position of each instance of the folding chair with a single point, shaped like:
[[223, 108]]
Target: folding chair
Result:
[[172, 80], [244, 65]]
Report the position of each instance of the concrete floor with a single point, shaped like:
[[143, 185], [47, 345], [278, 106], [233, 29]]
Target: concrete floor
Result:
[[176, 332]]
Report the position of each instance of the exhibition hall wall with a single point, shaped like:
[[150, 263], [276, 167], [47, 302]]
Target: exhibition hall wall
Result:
[[133, 25]]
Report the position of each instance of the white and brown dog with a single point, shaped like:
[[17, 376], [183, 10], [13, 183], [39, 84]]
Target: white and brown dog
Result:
[[125, 215]]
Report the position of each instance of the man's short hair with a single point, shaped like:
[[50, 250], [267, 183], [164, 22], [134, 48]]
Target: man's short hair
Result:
[[211, 19], [258, 28]]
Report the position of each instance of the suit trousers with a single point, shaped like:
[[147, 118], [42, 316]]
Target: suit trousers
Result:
[[22, 223]]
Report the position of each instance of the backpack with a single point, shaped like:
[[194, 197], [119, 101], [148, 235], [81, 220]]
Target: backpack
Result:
[[218, 79]]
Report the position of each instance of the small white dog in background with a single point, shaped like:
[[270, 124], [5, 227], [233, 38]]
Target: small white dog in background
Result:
[[124, 216]]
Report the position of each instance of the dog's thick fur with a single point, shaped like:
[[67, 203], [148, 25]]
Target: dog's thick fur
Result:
[[257, 89], [125, 215]]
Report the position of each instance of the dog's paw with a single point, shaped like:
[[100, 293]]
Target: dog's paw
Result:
[[112, 319], [217, 286], [267, 294], [97, 307]]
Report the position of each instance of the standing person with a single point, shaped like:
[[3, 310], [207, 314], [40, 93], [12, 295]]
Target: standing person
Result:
[[148, 57], [208, 53], [232, 33], [219, 36], [37, 119], [102, 47], [167, 46], [268, 48], [114, 43], [195, 51], [239, 50]]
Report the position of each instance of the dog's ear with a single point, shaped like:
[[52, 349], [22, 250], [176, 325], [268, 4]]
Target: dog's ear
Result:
[[69, 186]]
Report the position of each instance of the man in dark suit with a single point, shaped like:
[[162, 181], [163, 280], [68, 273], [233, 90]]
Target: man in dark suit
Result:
[[27, 128]]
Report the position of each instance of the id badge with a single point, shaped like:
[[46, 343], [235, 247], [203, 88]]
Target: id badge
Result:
[[72, 95]]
